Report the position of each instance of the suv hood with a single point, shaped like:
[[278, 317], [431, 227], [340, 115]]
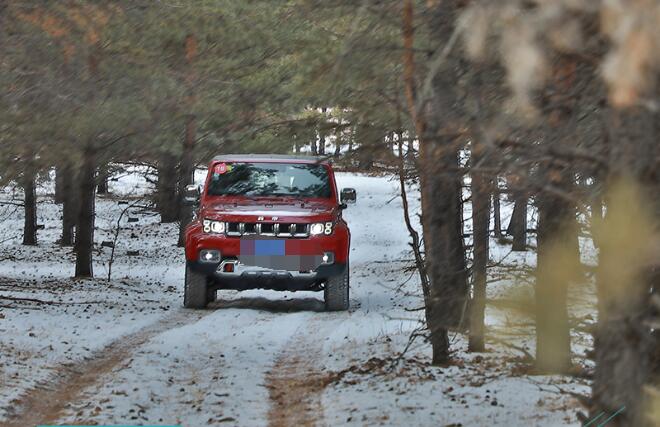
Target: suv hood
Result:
[[280, 208]]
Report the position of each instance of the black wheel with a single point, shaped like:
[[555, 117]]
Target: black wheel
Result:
[[335, 292], [195, 292]]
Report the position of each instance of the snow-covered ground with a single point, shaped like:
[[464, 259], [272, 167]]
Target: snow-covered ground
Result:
[[256, 357]]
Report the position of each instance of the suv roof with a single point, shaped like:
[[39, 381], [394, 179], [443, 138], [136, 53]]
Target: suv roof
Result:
[[275, 158]]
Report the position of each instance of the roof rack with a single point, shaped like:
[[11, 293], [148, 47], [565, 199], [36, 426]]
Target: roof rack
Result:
[[270, 158]]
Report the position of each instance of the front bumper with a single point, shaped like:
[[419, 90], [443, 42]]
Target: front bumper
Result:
[[248, 277], [338, 243]]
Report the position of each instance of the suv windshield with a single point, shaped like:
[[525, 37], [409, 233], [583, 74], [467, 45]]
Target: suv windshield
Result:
[[269, 179]]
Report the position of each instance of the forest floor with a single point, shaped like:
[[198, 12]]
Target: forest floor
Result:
[[124, 351]]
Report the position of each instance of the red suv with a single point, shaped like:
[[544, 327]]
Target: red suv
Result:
[[270, 222]]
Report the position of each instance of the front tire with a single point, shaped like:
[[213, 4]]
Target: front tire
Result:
[[335, 292], [195, 292]]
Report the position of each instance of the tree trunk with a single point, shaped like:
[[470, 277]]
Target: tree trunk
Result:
[[314, 147], [30, 205], [555, 269], [497, 214], [440, 178], [69, 204], [624, 345], [166, 194], [102, 179], [443, 236], [480, 232], [322, 135], [518, 224], [596, 217], [351, 140], [186, 178], [596, 204], [365, 155], [322, 144], [389, 143], [59, 184], [85, 223], [186, 167], [597, 208], [573, 247]]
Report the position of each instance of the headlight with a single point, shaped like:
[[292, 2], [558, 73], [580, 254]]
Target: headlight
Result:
[[211, 226], [320, 228], [316, 229]]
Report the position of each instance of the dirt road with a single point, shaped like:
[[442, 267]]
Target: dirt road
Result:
[[251, 358], [46, 403]]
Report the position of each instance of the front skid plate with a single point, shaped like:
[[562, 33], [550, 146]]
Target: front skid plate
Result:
[[255, 278]]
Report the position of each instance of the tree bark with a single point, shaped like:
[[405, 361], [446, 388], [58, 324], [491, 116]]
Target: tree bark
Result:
[[364, 136], [556, 261], [440, 179], [480, 232], [624, 346], [166, 191], [596, 216], [497, 215], [443, 236], [86, 213], [59, 184], [351, 140], [30, 205], [554, 270], [518, 224], [597, 208], [596, 200], [322, 135], [69, 204], [102, 187], [322, 144], [186, 167], [186, 171]]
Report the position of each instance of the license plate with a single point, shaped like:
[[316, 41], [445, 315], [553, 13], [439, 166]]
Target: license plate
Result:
[[263, 247]]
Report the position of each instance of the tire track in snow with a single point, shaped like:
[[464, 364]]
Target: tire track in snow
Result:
[[46, 402], [295, 382]]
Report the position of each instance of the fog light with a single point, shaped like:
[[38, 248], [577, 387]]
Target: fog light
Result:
[[209, 255], [328, 258]]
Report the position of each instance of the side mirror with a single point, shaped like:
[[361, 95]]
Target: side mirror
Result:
[[191, 195], [348, 196]]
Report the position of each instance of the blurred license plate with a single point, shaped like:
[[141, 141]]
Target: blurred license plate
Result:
[[265, 247]]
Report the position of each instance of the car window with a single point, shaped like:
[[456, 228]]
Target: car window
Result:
[[269, 179]]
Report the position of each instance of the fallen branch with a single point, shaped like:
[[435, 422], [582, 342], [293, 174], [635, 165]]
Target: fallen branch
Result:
[[415, 309], [513, 346], [417, 332], [18, 204], [38, 301]]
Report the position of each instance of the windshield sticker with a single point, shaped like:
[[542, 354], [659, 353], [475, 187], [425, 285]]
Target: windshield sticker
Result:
[[222, 168]]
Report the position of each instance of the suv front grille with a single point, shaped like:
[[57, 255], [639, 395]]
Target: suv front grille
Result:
[[285, 229]]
